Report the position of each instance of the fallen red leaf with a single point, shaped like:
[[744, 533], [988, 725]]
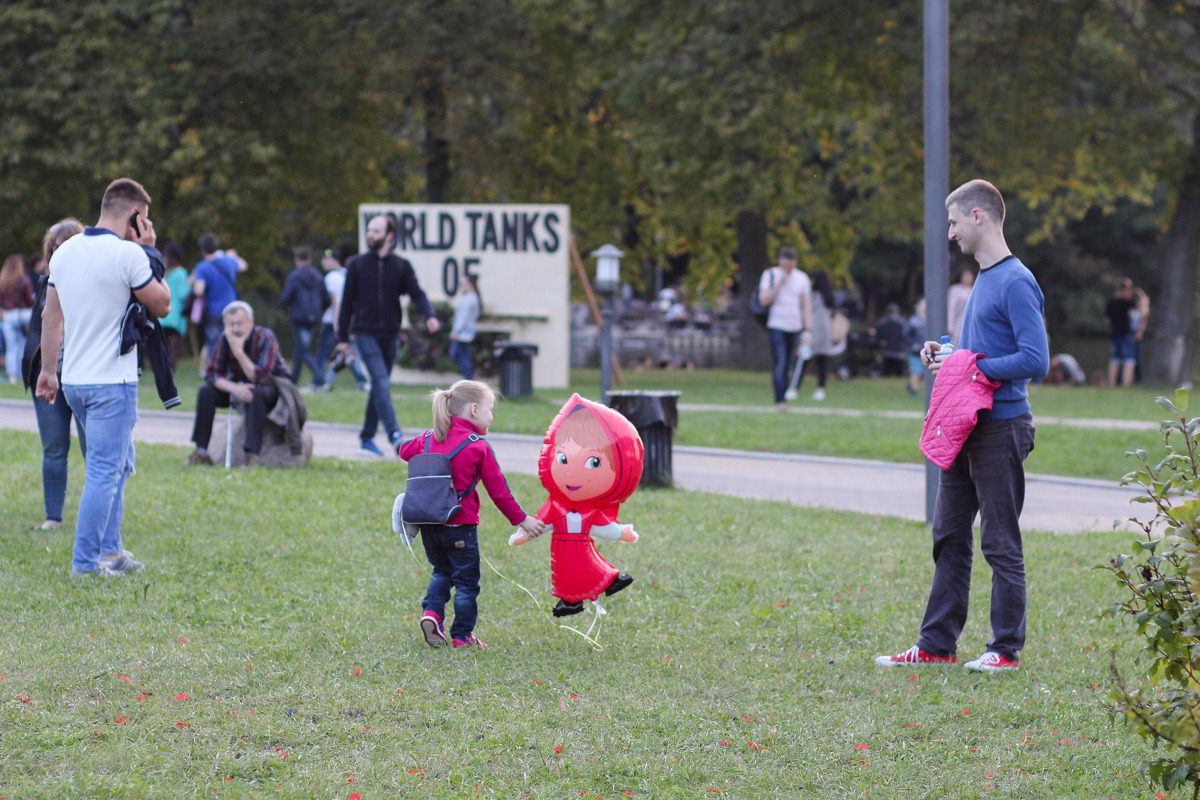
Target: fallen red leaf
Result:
[[355, 796], [860, 746], [121, 720], [183, 640], [180, 697], [356, 671], [125, 678], [558, 750], [23, 698], [141, 697], [182, 725]]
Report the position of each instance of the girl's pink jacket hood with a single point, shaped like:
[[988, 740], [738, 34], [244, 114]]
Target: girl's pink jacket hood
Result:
[[960, 392]]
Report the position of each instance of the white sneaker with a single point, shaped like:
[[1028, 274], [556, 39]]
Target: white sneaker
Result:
[[819, 394], [790, 394], [992, 662]]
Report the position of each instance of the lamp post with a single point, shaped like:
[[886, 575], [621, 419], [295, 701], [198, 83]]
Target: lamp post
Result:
[[608, 275]]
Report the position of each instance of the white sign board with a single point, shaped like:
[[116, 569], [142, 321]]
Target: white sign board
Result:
[[520, 255]]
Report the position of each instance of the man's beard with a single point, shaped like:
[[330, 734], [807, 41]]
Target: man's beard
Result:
[[378, 246]]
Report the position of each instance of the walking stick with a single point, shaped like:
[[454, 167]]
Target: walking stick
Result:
[[229, 437]]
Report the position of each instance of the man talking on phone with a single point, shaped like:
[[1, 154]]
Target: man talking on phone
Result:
[[91, 277]]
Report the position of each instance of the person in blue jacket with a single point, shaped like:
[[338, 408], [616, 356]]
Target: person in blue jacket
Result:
[[1003, 320]]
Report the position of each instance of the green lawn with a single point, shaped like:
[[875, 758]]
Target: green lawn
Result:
[[752, 424], [271, 650]]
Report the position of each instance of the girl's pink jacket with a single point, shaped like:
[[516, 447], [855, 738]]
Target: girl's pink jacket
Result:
[[960, 392]]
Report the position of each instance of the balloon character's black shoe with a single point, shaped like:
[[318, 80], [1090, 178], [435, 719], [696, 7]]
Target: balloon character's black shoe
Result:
[[620, 582], [565, 609]]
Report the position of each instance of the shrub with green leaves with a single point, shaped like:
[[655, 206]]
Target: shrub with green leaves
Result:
[[1162, 579]]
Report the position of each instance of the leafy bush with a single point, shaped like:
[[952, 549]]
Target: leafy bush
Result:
[[1162, 578]]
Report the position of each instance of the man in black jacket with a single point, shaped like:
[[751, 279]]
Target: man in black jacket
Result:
[[375, 281], [306, 298]]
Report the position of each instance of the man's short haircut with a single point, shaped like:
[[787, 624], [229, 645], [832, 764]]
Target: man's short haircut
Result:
[[391, 223], [303, 254], [238, 307], [978, 194], [787, 252], [209, 243], [173, 254], [122, 196]]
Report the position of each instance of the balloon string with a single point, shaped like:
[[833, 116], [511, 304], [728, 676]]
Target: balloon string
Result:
[[587, 637]]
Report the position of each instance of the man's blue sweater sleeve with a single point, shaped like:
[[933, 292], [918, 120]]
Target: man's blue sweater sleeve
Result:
[[1024, 306]]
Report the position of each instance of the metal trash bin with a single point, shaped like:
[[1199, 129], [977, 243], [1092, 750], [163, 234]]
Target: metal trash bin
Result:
[[656, 416], [516, 368]]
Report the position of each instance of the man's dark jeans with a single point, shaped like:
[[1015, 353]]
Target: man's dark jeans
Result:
[[783, 347], [302, 341], [378, 355], [453, 551], [210, 397], [988, 477]]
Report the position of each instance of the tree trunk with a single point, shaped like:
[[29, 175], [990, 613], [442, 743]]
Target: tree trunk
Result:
[[437, 146], [752, 260], [1169, 351]]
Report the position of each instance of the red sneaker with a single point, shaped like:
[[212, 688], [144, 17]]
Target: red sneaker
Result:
[[914, 656], [431, 627], [992, 662], [470, 641]]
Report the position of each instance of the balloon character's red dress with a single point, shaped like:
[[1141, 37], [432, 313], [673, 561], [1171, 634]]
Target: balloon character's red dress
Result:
[[591, 462]]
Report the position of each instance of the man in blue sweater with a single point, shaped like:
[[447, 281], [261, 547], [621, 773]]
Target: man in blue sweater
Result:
[[1003, 320]]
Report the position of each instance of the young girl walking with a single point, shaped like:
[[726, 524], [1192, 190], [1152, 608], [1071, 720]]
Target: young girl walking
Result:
[[460, 412]]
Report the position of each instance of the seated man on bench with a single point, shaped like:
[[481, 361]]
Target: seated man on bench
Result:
[[243, 366]]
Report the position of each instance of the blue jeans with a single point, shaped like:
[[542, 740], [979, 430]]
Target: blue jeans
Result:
[[302, 341], [214, 326], [107, 413], [453, 551], [988, 477], [460, 354], [14, 340], [783, 347], [378, 355], [54, 426]]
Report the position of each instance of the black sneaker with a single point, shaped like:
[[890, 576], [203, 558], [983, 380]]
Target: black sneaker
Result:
[[620, 582]]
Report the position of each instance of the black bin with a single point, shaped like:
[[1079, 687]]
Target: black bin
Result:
[[516, 368], [656, 416]]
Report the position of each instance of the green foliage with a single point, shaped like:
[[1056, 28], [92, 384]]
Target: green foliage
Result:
[[1162, 577]]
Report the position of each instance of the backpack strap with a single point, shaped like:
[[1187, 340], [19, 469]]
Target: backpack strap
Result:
[[428, 439], [469, 440]]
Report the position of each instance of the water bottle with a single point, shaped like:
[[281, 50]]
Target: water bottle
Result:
[[805, 352], [944, 351]]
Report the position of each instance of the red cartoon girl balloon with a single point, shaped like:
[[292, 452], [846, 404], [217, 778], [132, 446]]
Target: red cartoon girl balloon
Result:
[[591, 461]]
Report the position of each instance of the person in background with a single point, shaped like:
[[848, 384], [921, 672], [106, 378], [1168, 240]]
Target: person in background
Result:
[[335, 281], [174, 324], [371, 313], [215, 279], [462, 332], [1139, 318], [788, 293], [916, 342], [891, 342], [53, 419], [306, 298], [1123, 357], [244, 362], [823, 345], [956, 303], [16, 307]]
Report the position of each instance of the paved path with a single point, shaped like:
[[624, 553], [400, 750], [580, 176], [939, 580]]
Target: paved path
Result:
[[1063, 505]]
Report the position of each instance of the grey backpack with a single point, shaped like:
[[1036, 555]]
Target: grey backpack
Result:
[[429, 495]]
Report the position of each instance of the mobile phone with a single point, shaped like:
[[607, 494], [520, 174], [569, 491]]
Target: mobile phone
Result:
[[133, 220]]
